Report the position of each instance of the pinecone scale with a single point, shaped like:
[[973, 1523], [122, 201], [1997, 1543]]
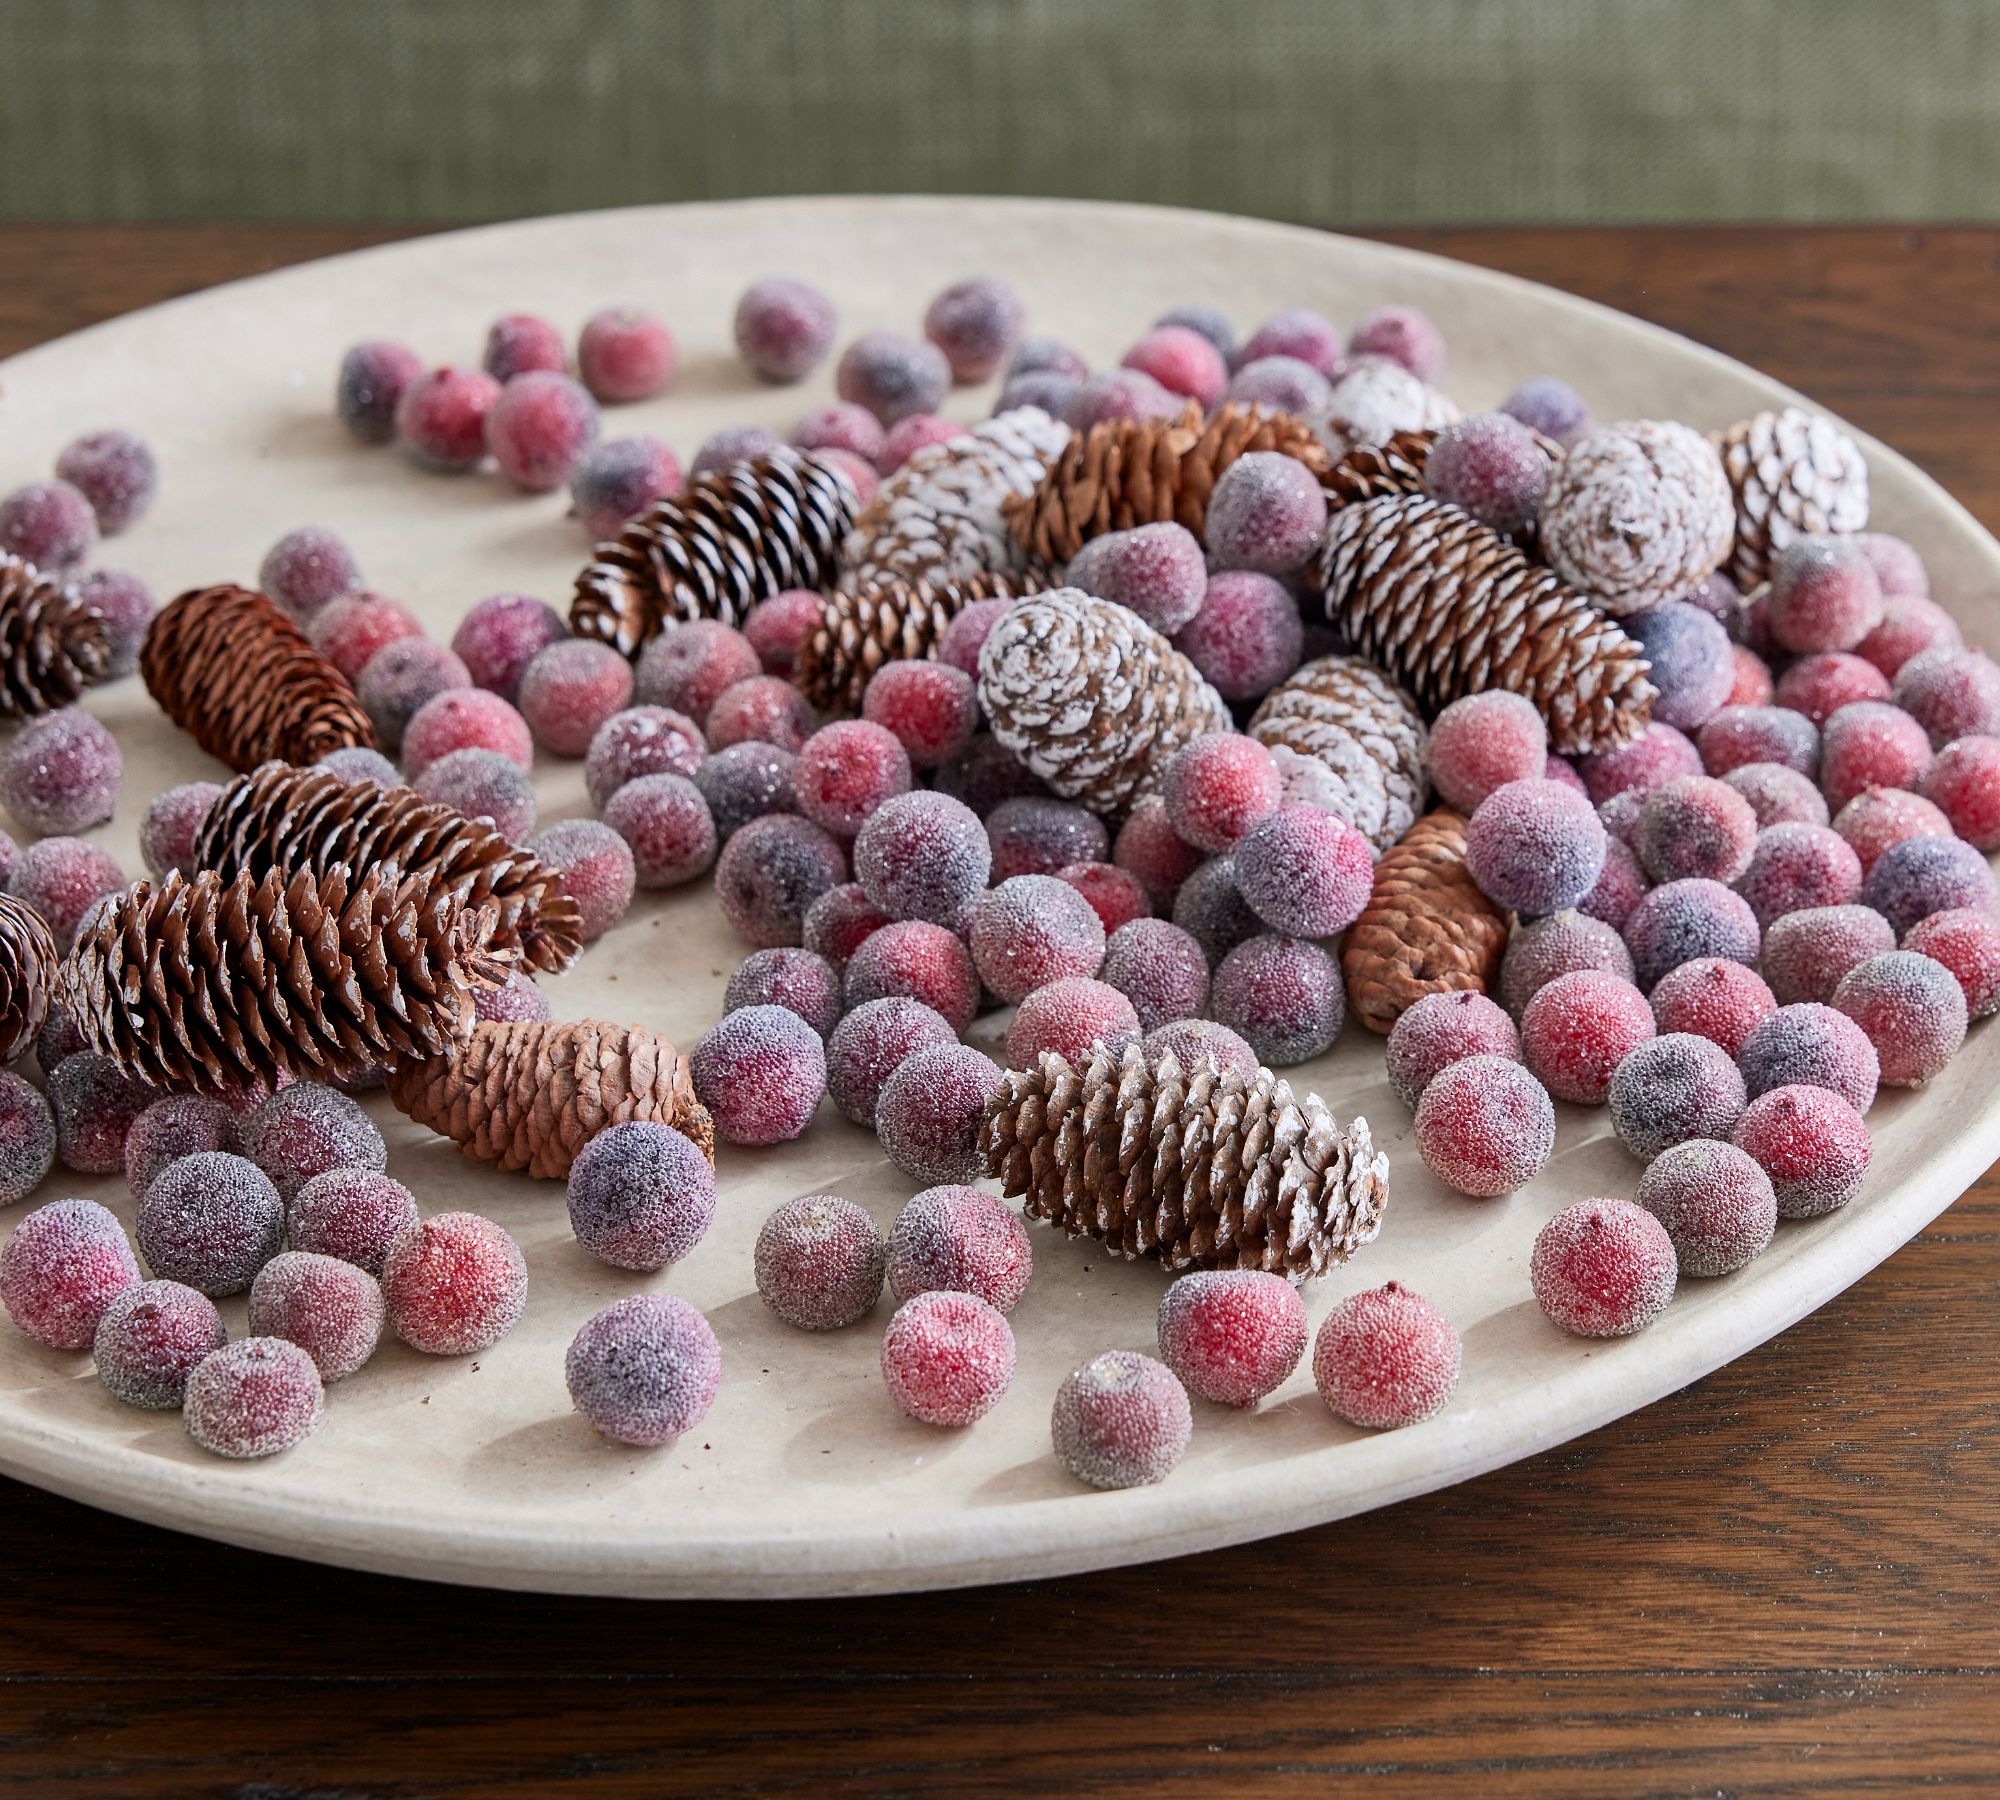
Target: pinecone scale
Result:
[[1792, 474], [1363, 731], [28, 965], [890, 620], [52, 644]]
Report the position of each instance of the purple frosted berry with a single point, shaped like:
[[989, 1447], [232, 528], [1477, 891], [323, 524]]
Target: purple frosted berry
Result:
[[1442, 1029], [975, 323], [731, 445], [1283, 995], [1310, 336], [1121, 394], [746, 781], [961, 1240], [870, 1044], [1716, 1204], [930, 1109], [329, 1308], [114, 471], [211, 1220], [308, 568], [1050, 391], [1157, 570], [1035, 835], [1778, 795], [617, 479], [482, 784], [1690, 662], [1306, 872], [1121, 1420], [922, 855], [1551, 406], [174, 1126], [1534, 846], [62, 878], [1160, 968], [641, 1195], [1046, 356], [761, 1071], [1673, 1088], [1195, 1042], [1210, 322], [1211, 909], [253, 1398], [372, 378], [1681, 920], [1695, 825], [171, 822], [1562, 943], [1740, 735], [892, 375], [61, 773], [668, 826], [1912, 1009], [1491, 466], [1814, 1046], [95, 1103], [1405, 335], [63, 1268], [400, 678], [784, 328], [516, 1000], [644, 1370], [986, 773], [126, 605], [1925, 875], [1806, 953], [597, 870], [801, 981], [1248, 635], [624, 354], [820, 1262], [1283, 384], [500, 636], [1657, 754], [354, 1214], [1951, 692], [1267, 513], [27, 1138], [771, 871], [150, 1339], [1797, 867], [306, 1129], [48, 523], [641, 740]]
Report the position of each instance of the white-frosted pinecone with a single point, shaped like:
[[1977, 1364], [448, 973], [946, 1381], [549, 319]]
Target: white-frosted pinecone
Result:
[[1375, 400], [1090, 697], [1793, 473], [1361, 729], [937, 518], [1637, 514]]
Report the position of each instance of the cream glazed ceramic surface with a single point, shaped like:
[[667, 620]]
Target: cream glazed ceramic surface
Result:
[[804, 1478]]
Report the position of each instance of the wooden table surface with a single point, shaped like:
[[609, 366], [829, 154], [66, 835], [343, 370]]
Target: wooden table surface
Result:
[[1781, 1580]]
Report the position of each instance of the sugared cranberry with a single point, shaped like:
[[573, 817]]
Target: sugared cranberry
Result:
[[820, 1262], [1603, 1268], [1232, 1335], [538, 427], [624, 354], [441, 418], [1485, 1126], [1386, 1358], [454, 1284], [372, 378]]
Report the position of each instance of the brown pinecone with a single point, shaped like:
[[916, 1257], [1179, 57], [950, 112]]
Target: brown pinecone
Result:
[[28, 964], [1449, 607], [52, 644], [1127, 472], [891, 620], [529, 1095], [1090, 697], [241, 679], [1427, 929], [1793, 473], [1368, 471], [215, 984], [737, 536], [1204, 1171], [290, 819], [1364, 733]]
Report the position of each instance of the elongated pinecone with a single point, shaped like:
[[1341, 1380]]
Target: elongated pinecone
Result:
[[1449, 607], [215, 984], [892, 620], [1090, 697], [938, 517], [28, 964], [735, 537], [530, 1095], [1427, 929], [1127, 472], [291, 819], [240, 678], [1363, 730], [1792, 473], [1204, 1171], [1378, 399], [52, 644]]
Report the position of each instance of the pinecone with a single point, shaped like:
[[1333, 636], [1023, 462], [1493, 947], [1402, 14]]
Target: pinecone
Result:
[[1363, 730], [1637, 515], [1792, 473], [52, 645], [214, 983], [1368, 471], [737, 536], [241, 679], [892, 620], [1204, 1171], [529, 1095], [291, 819], [28, 965], [1127, 472], [1375, 401], [938, 517], [1449, 607], [1090, 697], [1427, 929]]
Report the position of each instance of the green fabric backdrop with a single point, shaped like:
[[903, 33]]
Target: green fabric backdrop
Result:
[[1332, 111]]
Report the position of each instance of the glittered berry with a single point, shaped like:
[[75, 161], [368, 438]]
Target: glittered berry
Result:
[[1551, 406], [929, 1112], [1406, 335], [1923, 875], [1211, 909], [538, 427], [466, 719], [1694, 825], [1442, 1029], [892, 376], [482, 784], [1232, 1335], [1739, 735], [1912, 1009], [1149, 848], [441, 419], [918, 961], [252, 1398], [1071, 1017], [62, 1269], [1056, 394], [771, 871], [1491, 466], [454, 1284], [126, 605], [1712, 998], [644, 1369], [1115, 896], [641, 740], [1824, 595], [569, 689], [783, 328], [1037, 835], [1217, 787], [1951, 693], [1689, 660], [1047, 356], [947, 1358], [1877, 819], [1811, 1143], [149, 1340], [372, 378], [870, 1044], [624, 354], [846, 770], [1750, 681], [1532, 845], [597, 868], [1657, 754], [95, 1103], [820, 1262], [731, 445], [839, 922], [1795, 868], [1672, 1088], [1032, 930], [1911, 624], [1778, 795], [350, 631], [1563, 943], [354, 1214], [1896, 563], [115, 472], [1183, 362], [1283, 384], [641, 1195], [1267, 512], [960, 1240], [1160, 968], [974, 323], [1813, 1045], [1483, 742], [1578, 1028], [1386, 1358], [1157, 570], [1485, 1126], [1306, 872], [48, 523], [517, 343], [1715, 1204], [1603, 1268], [798, 980], [1194, 1043], [1247, 637], [211, 1220], [61, 773], [1209, 322], [760, 708], [1681, 920], [495, 641], [514, 1001], [329, 1308], [1283, 995], [174, 1126], [909, 435], [400, 678], [58, 1040], [1819, 686], [62, 878], [1963, 782], [1121, 1420], [922, 855], [930, 708], [1806, 953], [744, 782], [760, 1070], [1967, 942], [1870, 744], [1310, 336]]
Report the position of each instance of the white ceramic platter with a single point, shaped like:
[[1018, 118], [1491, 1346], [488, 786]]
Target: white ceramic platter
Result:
[[804, 1479]]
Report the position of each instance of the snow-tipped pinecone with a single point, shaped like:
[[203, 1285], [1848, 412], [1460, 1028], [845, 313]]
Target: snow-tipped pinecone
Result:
[[52, 644], [891, 620], [1449, 607], [939, 517], [735, 537], [1203, 1170], [1377, 399], [1090, 697], [1793, 473], [1638, 514], [1364, 730]]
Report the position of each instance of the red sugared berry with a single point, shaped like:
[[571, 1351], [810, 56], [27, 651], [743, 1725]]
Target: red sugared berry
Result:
[[1485, 1126], [1192, 1043], [350, 631], [1798, 867], [1715, 1204], [468, 718], [644, 1370], [372, 378], [731, 445], [253, 1398], [1217, 787], [930, 707], [918, 961], [597, 868], [1386, 1358], [126, 605], [1912, 1009], [61, 773], [1813, 1045], [569, 689], [1071, 1017], [1603, 1268], [1032, 930], [842, 426], [1778, 795], [947, 1358], [1750, 681], [1267, 513], [1824, 595], [641, 740], [1577, 1030], [870, 1044], [1442, 1029], [1182, 362], [761, 1071], [1657, 754], [1967, 942], [1283, 995], [1115, 896], [1951, 693], [846, 770], [1406, 335], [961, 1240], [519, 342], [1811, 1143], [1483, 742], [63, 1267], [1819, 686], [499, 637], [778, 627], [354, 1214], [1911, 624], [929, 1112], [909, 435], [760, 708], [62, 878], [538, 427], [839, 922], [1621, 885], [48, 523], [1310, 336], [1712, 998], [441, 418], [771, 871], [454, 1284], [1232, 1335], [1759, 734], [1963, 782], [783, 328], [1157, 570], [1247, 637], [641, 1195], [798, 980], [1491, 466], [1149, 848], [820, 1262], [331, 1309], [150, 1339], [1120, 1421], [1877, 819], [1870, 744], [515, 1000], [624, 354]]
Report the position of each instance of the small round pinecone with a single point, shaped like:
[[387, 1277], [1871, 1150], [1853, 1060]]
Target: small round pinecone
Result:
[[1351, 718], [1090, 697], [1368, 471], [1638, 514], [28, 964], [891, 620], [1377, 399], [52, 645], [1793, 473]]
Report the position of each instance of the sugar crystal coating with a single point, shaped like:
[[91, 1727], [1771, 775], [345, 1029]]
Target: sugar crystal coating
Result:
[[48, 523], [1603, 1268], [1540, 950], [771, 871], [1951, 692], [1386, 1358], [801, 981], [784, 328], [1032, 930], [306, 1129], [1714, 998], [150, 1339], [1750, 681], [1681, 920], [255, 1397], [669, 829], [518, 342], [1485, 1126], [351, 631], [930, 708], [372, 378], [819, 1262], [870, 1044], [126, 605], [441, 419], [1778, 795], [597, 868], [1657, 754], [930, 1109], [1149, 848], [1578, 1029], [1284, 995], [1551, 406], [64, 1265], [617, 479], [211, 1220], [1870, 744], [1156, 570], [1689, 662], [62, 878], [644, 1369], [538, 427], [1672, 1088], [1806, 953], [1121, 1420], [1160, 968], [1195, 1042], [641, 1195], [1923, 875], [1182, 361], [1533, 846], [1247, 636], [963, 1240], [1306, 872], [308, 568], [625, 354], [919, 961], [1819, 686], [1267, 512], [1811, 1143], [1117, 898], [354, 1214], [1824, 595], [1877, 819], [331, 1309], [175, 1125], [760, 1070], [1033, 834], [839, 922], [689, 667], [1232, 1335], [1491, 466], [1911, 624], [1695, 825], [1071, 1017], [1963, 782], [569, 689], [1482, 742], [1715, 1204], [744, 782], [1442, 1029], [1967, 942], [1809, 1044], [1795, 868], [95, 1103], [454, 1284], [975, 323], [485, 785], [1218, 786], [27, 1138], [922, 855], [1912, 1009], [400, 679], [61, 773], [1621, 885], [947, 1358], [1759, 734]]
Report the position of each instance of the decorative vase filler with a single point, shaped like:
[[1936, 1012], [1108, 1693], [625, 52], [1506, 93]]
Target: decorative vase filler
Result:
[[1195, 709]]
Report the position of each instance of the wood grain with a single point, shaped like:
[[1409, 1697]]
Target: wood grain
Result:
[[1779, 1581]]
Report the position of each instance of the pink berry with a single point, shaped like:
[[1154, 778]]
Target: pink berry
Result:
[[1797, 867], [569, 689], [892, 376], [1485, 1126], [1877, 819], [614, 480], [922, 855], [1750, 681], [1386, 1358], [1896, 563], [211, 1220], [960, 1240], [1871, 744], [1160, 968], [372, 378], [482, 784], [1211, 909], [668, 827], [1491, 465], [840, 921], [1232, 1335], [253, 1398], [115, 472], [174, 1126], [1813, 1045], [1603, 1268], [798, 980], [959, 647], [860, 473], [1531, 845], [61, 773], [1695, 826], [947, 1358], [1912, 1009], [820, 1262], [149, 1340], [1149, 848], [1967, 942], [1713, 999], [1681, 920], [1811, 1143], [842, 426], [1157, 570], [1482, 743], [690, 667], [1819, 686], [95, 1105], [597, 867], [27, 1138], [846, 770], [1194, 1043], [1923, 875], [929, 1112], [1032, 930], [624, 354], [1715, 1204], [1405, 335], [909, 435], [1911, 624], [62, 878], [917, 961], [644, 1369], [641, 740], [1217, 787], [63, 1267], [1951, 693], [784, 328], [1116, 897], [354, 1214], [731, 445], [465, 719], [538, 427], [760, 708], [777, 627], [1621, 885], [48, 523], [516, 1000], [1578, 1029], [1182, 362], [441, 418], [1824, 595], [400, 679], [1806, 953], [1283, 384], [1247, 637], [330, 1309], [517, 343], [454, 1284], [1963, 782], [870, 1044], [1035, 835], [350, 631], [1778, 795], [1071, 1018], [771, 871], [1310, 336], [1442, 1029], [1658, 754], [1672, 1088], [1120, 1421], [1552, 407], [1267, 513], [306, 1129], [1283, 995], [1739, 735], [1307, 873], [641, 1196], [929, 707]]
